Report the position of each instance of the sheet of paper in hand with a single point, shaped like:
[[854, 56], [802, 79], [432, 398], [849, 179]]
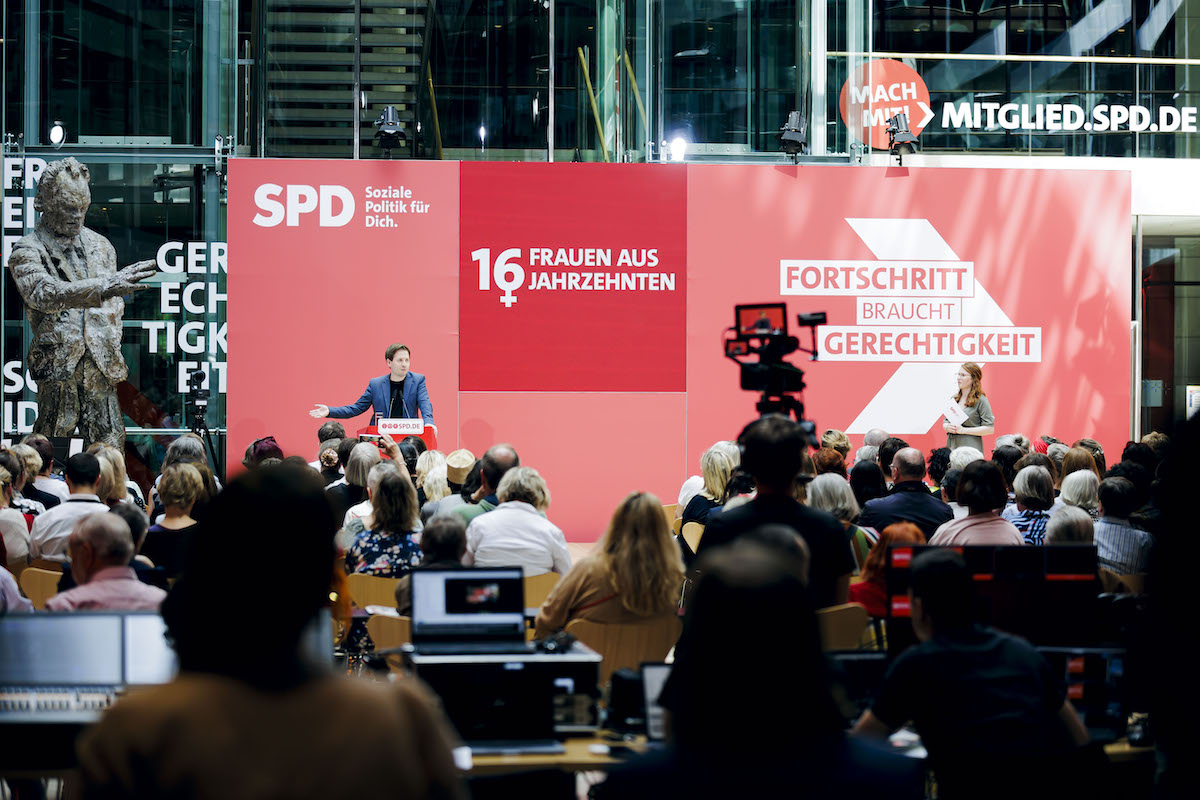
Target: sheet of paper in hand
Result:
[[955, 414]]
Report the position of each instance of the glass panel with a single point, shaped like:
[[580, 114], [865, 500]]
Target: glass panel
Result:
[[1170, 318]]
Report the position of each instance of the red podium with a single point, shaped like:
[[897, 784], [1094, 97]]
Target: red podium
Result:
[[399, 428]]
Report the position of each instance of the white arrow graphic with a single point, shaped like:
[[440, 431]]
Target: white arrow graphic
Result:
[[911, 399], [928, 114]]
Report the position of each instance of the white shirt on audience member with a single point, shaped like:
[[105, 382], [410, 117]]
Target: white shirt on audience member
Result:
[[691, 487], [15, 533], [515, 534], [48, 539], [53, 486]]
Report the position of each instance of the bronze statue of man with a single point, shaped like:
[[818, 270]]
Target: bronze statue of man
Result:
[[67, 274]]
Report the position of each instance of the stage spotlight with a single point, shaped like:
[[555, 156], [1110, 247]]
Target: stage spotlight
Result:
[[901, 141], [793, 138], [58, 134], [388, 131], [679, 146]]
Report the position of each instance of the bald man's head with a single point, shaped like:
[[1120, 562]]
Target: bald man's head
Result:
[[499, 459], [908, 465], [100, 540]]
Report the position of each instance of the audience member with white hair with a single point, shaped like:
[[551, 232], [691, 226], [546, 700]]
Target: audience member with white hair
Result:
[[354, 491], [832, 493], [1034, 490], [1070, 525], [1017, 440], [875, 437], [1081, 489], [516, 532], [695, 484], [1056, 452], [101, 547], [866, 454], [458, 467], [961, 456], [425, 462]]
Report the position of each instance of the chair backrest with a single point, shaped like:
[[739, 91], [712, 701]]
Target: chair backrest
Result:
[[39, 585], [629, 644], [371, 590], [46, 564], [677, 526], [537, 588], [669, 513], [1134, 583], [692, 533], [387, 632], [842, 626]]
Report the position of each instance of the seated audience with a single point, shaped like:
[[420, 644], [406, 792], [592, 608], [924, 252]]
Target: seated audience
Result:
[[1056, 452], [1034, 489], [1158, 443], [327, 461], [14, 532], [122, 490], [772, 450], [950, 492], [871, 591], [1017, 440], [330, 431], [516, 532], [832, 493], [961, 456], [443, 544], [716, 467], [1120, 546], [1076, 459], [269, 723], [836, 440], [45, 480], [101, 547], [866, 481], [136, 519], [1097, 452], [425, 462], [992, 714], [887, 454], [694, 484], [187, 449], [11, 599], [459, 466], [982, 490], [498, 460], [1070, 525], [1039, 460], [764, 723], [634, 572], [167, 540], [435, 486], [910, 500], [48, 538], [386, 549], [362, 457], [867, 453], [829, 460], [1006, 457], [1140, 454], [33, 465], [15, 466], [1081, 489], [939, 463], [261, 450]]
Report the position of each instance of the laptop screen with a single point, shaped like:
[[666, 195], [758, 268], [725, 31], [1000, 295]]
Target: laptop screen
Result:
[[149, 658], [468, 603], [60, 649], [654, 677]]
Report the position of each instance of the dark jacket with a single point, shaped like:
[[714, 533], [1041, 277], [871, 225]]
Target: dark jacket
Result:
[[910, 501]]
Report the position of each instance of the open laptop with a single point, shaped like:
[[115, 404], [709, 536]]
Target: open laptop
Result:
[[468, 611]]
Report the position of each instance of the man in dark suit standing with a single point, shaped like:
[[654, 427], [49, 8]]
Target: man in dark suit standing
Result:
[[399, 394]]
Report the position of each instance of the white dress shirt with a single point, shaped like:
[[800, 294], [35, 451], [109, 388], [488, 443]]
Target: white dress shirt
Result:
[[52, 486], [15, 533], [515, 534], [48, 539]]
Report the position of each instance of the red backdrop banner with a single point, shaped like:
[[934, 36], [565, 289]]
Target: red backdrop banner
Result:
[[605, 367]]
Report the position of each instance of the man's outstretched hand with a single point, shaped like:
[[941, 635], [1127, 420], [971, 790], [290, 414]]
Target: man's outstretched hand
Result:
[[129, 279], [319, 411]]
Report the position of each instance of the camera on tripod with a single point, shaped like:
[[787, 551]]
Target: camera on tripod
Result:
[[197, 402], [762, 329]]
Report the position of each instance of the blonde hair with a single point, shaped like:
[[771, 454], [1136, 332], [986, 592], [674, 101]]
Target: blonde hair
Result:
[[107, 454], [836, 440], [33, 461], [425, 462], [436, 484], [640, 558], [105, 483], [525, 484], [181, 484], [5, 481], [716, 466]]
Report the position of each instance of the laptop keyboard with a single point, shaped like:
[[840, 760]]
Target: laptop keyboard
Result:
[[472, 648]]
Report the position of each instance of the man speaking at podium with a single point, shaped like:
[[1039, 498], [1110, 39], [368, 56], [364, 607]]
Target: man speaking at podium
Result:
[[399, 394]]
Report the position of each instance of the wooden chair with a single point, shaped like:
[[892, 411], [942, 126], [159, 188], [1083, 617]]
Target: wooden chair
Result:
[[691, 534], [677, 526], [388, 632], [628, 645], [1134, 583], [16, 566], [842, 626], [669, 513], [537, 588], [370, 590], [46, 564], [39, 585]]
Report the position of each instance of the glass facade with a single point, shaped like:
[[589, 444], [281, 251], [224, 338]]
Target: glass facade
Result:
[[154, 95]]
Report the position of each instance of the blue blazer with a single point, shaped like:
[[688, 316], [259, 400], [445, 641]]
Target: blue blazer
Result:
[[378, 393]]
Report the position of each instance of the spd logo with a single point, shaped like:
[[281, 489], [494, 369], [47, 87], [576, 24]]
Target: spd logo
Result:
[[334, 204]]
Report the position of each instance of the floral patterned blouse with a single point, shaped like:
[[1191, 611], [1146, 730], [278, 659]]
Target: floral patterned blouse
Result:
[[386, 555]]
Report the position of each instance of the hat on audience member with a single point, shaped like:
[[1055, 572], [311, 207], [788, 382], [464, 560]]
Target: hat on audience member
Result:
[[458, 464]]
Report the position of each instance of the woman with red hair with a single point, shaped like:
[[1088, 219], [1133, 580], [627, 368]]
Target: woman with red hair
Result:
[[872, 591]]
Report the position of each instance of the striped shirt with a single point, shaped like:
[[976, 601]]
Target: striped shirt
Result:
[[1121, 547]]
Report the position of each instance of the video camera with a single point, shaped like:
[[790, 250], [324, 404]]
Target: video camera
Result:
[[761, 329]]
